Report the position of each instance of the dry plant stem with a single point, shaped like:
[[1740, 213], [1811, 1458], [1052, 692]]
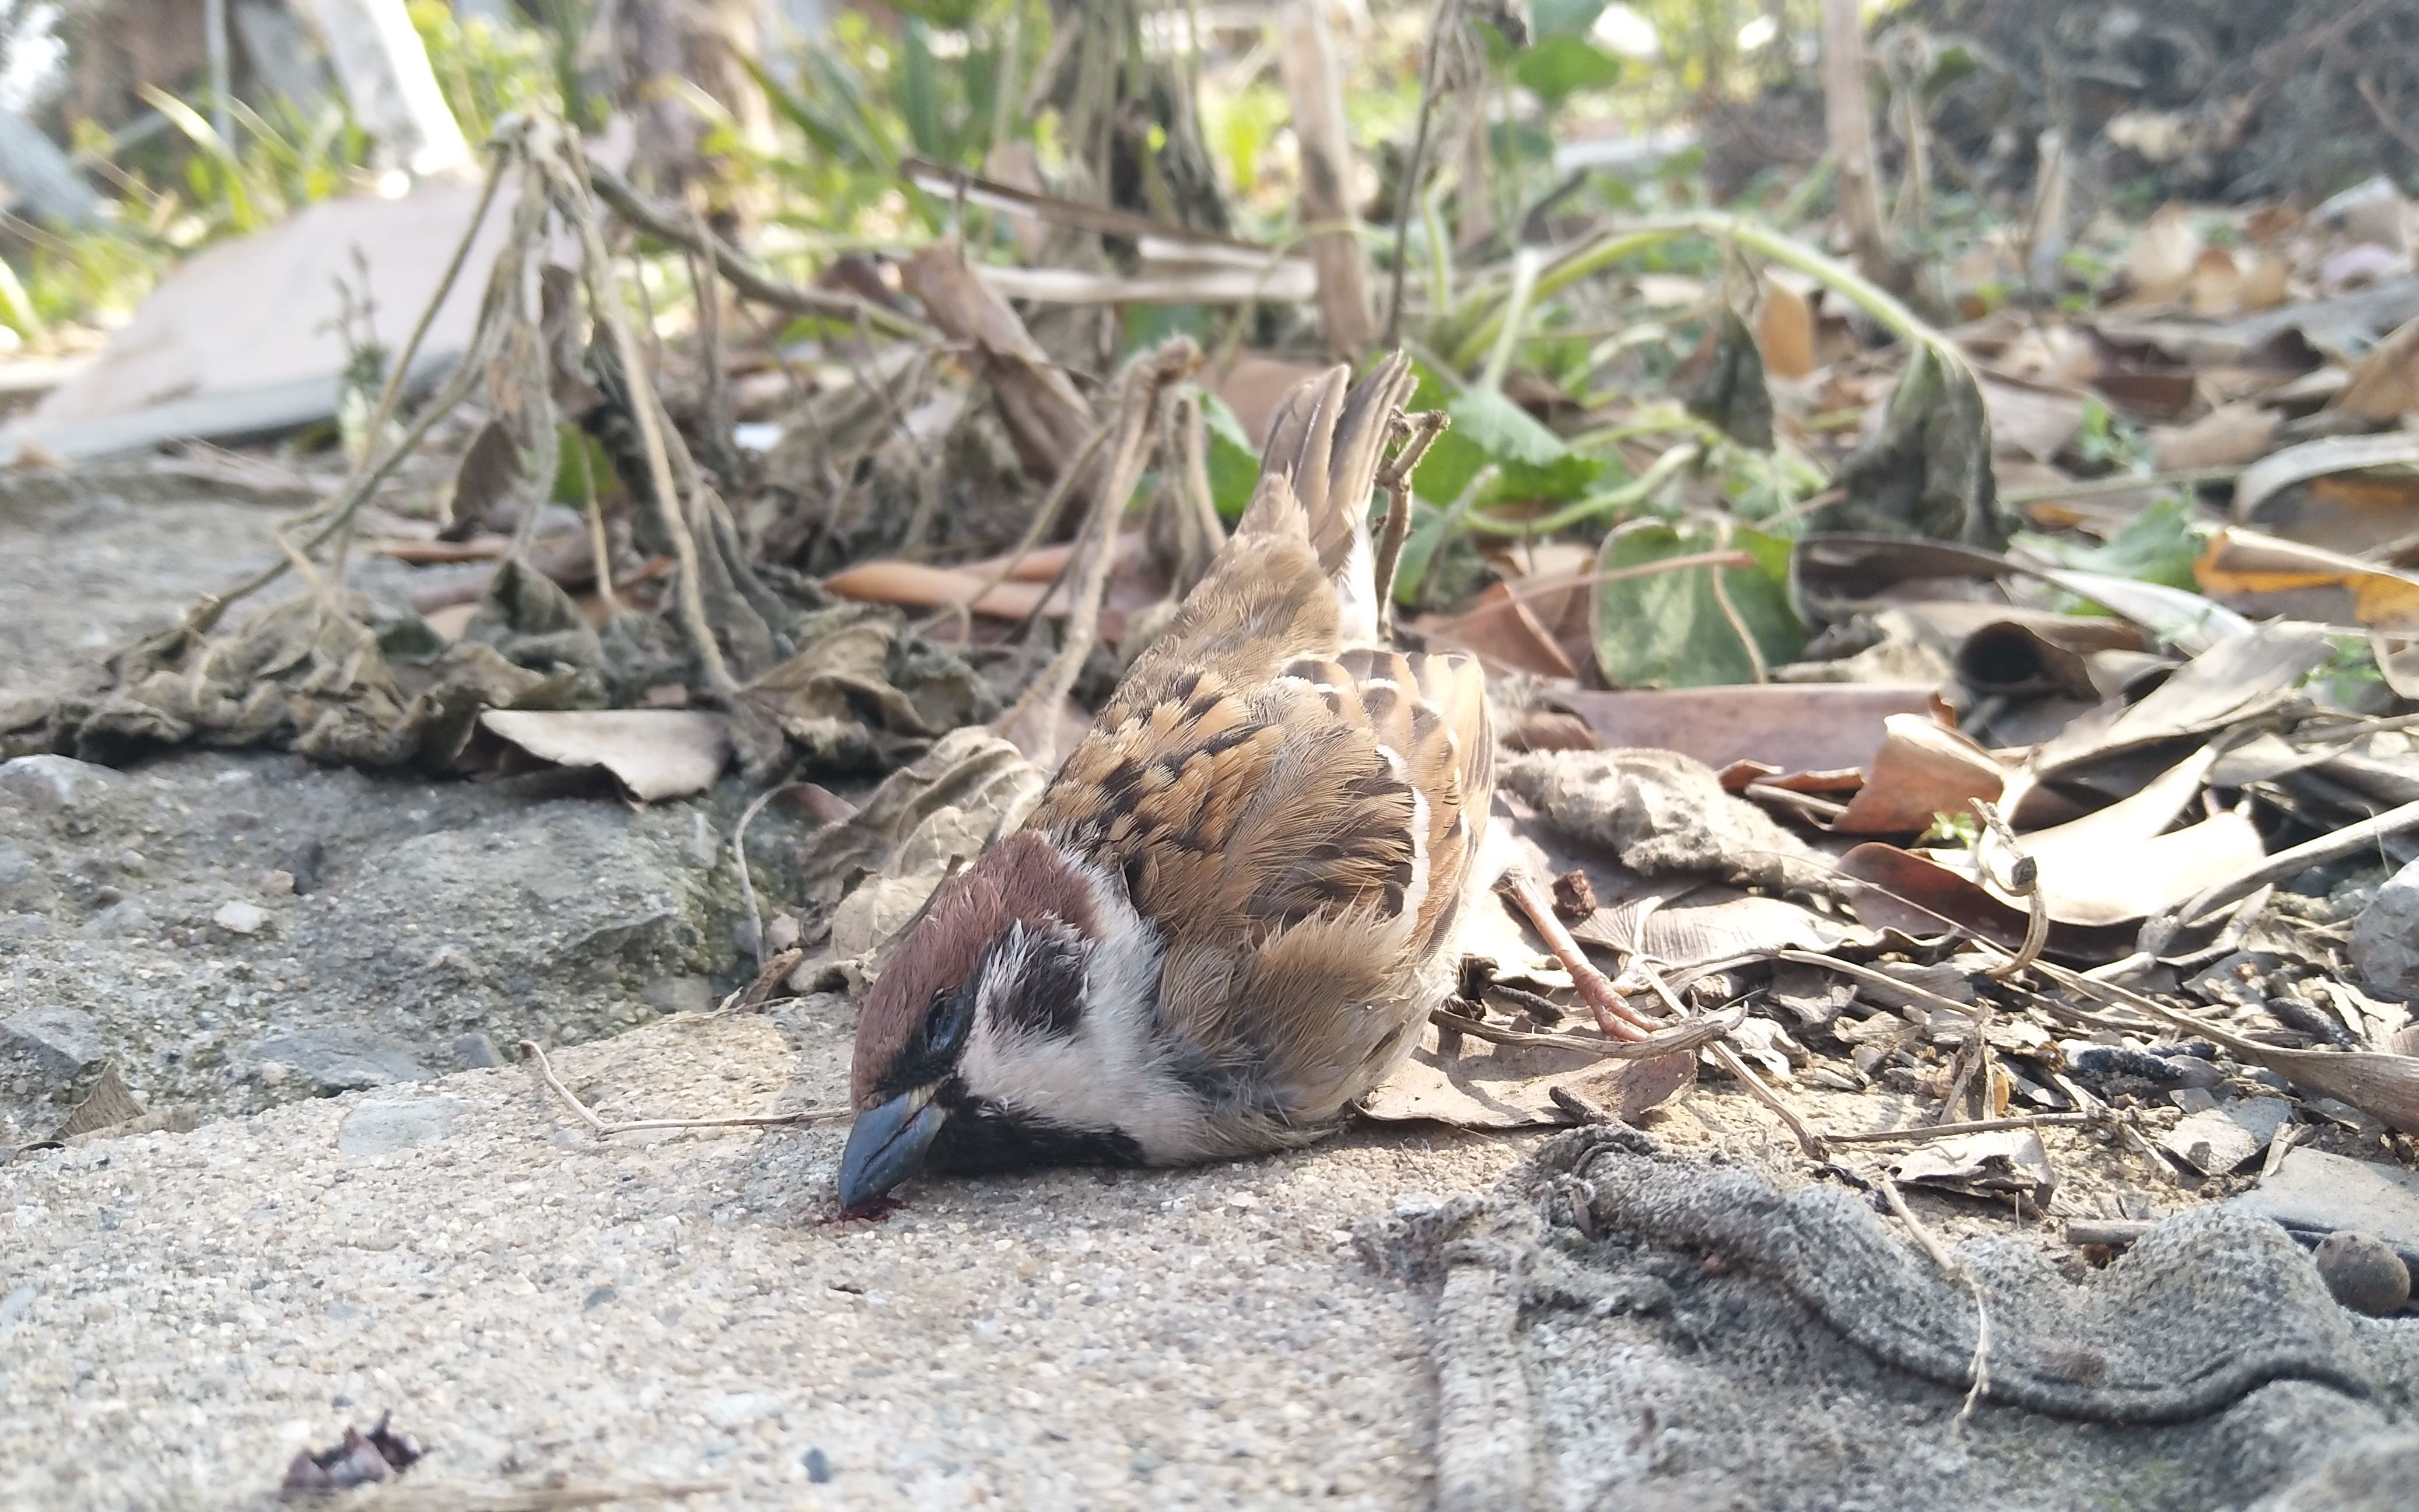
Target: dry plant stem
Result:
[[1432, 46], [391, 394], [599, 545], [1849, 130], [1945, 1131], [1879, 978], [1955, 1269], [750, 281], [1758, 670], [1615, 1017], [1808, 1140], [1691, 1034], [1135, 407], [739, 858], [1189, 429], [2024, 881], [605, 294], [961, 609], [2090, 487], [1545, 587], [2159, 932], [598, 1127], [709, 340]]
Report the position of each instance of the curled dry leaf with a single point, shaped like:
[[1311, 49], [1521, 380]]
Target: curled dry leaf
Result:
[[2383, 385], [653, 753], [1923, 769], [2283, 576], [1994, 1164]]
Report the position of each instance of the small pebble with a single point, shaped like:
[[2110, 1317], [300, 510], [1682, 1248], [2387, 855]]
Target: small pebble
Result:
[[239, 917], [2363, 1273], [818, 1466], [278, 884]]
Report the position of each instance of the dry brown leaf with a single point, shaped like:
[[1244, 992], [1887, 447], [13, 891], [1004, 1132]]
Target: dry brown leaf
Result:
[[2030, 420], [2229, 433], [2266, 280], [2384, 384], [1784, 328], [653, 753], [1792, 727], [2160, 263], [2244, 564], [2216, 287], [1504, 632], [913, 585], [1921, 769]]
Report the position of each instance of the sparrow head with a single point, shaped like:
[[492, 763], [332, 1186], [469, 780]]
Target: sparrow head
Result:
[[977, 1049]]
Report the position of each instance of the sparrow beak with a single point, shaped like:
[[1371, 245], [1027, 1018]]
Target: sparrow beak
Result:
[[886, 1144]]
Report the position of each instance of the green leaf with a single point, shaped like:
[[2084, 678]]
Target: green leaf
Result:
[[1234, 465], [1503, 429], [2157, 546], [1535, 463], [1559, 67], [1668, 630]]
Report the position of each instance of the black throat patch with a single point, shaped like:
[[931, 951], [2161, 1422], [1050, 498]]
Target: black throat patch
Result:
[[981, 1138]]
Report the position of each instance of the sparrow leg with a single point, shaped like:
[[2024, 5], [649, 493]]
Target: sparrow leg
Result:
[[1613, 1015]]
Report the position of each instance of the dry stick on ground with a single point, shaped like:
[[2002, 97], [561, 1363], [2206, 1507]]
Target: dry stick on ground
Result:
[[599, 545], [2024, 881], [1945, 1131], [1690, 1034], [1955, 1269], [597, 1126], [739, 858]]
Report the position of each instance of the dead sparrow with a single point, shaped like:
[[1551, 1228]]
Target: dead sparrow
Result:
[[1233, 906]]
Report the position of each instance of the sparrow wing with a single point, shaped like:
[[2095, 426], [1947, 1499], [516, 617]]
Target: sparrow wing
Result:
[[1300, 847]]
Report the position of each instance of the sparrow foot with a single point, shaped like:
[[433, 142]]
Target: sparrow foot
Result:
[[1613, 1013]]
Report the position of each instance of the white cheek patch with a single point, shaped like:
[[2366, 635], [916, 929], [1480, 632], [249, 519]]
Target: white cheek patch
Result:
[[1109, 1074]]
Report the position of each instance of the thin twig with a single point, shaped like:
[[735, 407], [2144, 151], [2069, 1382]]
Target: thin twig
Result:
[[598, 1127], [960, 609], [599, 545], [1956, 1270], [739, 858], [751, 280], [604, 296], [1407, 191], [1690, 1034], [1808, 1140], [2024, 881], [1137, 404], [2158, 930], [1944, 1131]]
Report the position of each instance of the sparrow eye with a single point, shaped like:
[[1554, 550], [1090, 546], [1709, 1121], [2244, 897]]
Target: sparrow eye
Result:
[[946, 1021]]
